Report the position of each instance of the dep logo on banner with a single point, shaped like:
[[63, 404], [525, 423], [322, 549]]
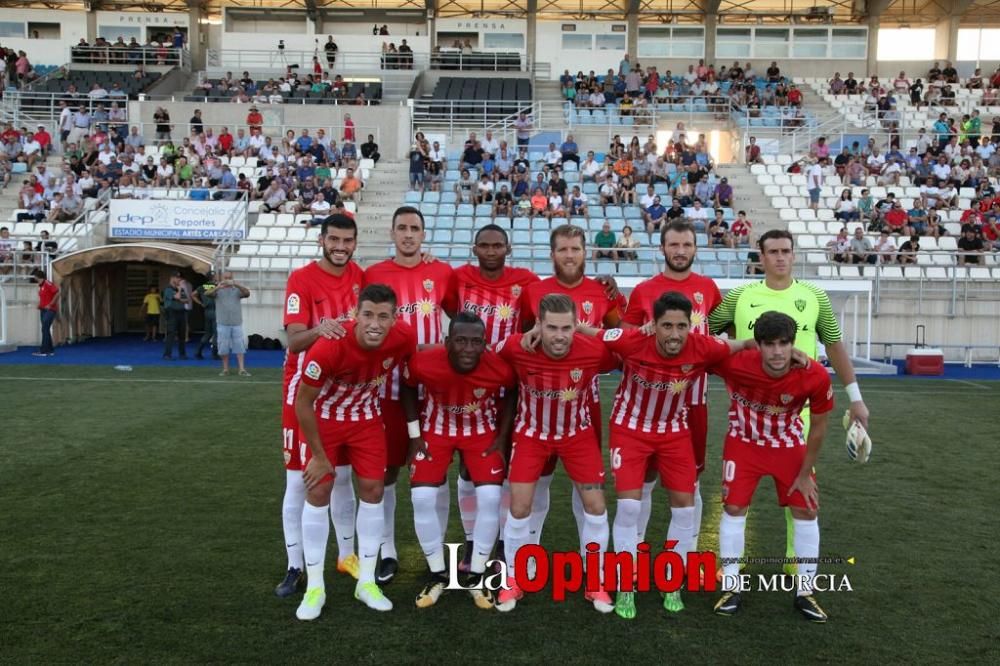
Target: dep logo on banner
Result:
[[172, 219]]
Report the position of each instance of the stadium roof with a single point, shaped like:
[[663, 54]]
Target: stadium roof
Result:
[[969, 12]]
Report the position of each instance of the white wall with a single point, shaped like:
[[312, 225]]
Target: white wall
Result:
[[47, 51], [481, 26], [548, 47]]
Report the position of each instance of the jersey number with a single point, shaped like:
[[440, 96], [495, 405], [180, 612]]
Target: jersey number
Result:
[[616, 457], [728, 470]]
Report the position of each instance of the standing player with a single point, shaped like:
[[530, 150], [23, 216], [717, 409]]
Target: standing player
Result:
[[595, 306], [421, 288], [462, 383], [493, 291], [554, 419], [678, 242], [804, 302], [338, 410], [766, 438], [318, 299], [649, 424]]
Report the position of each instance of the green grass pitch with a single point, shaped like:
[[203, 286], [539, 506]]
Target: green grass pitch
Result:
[[141, 524]]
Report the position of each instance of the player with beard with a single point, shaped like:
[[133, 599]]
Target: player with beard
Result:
[[493, 292], [596, 305], [318, 298], [679, 247], [421, 287]]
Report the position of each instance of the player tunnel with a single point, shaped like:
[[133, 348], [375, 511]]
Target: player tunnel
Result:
[[102, 287]]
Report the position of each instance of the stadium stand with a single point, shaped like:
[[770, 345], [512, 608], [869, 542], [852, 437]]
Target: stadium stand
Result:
[[466, 96], [288, 89]]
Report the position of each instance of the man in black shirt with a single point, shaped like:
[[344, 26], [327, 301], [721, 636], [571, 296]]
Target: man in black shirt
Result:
[[675, 211], [970, 242], [369, 149], [850, 84], [197, 125], [503, 203]]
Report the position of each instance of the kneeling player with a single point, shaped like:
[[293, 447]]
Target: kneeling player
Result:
[[649, 425], [461, 383], [554, 418], [338, 408], [765, 439]]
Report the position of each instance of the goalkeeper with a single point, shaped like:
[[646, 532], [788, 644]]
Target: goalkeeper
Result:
[[804, 302]]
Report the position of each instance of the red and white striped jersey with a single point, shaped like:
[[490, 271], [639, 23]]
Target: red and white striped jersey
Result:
[[350, 376], [766, 411], [654, 393], [456, 404], [554, 396], [593, 306], [704, 296], [497, 302], [312, 295], [420, 293]]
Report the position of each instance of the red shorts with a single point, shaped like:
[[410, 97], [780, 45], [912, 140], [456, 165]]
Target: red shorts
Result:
[[294, 450], [744, 464], [360, 444], [397, 440], [596, 423], [580, 456], [482, 469], [632, 453], [698, 426]]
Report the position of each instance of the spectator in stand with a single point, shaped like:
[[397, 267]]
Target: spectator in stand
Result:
[[814, 182], [465, 187], [741, 229], [820, 149], [655, 215], [718, 231], [885, 248], [840, 247], [626, 246], [862, 251], [503, 203], [369, 149], [846, 210], [753, 155], [604, 243], [698, 216], [972, 245], [896, 219], [539, 203], [908, 251], [569, 150], [723, 196]]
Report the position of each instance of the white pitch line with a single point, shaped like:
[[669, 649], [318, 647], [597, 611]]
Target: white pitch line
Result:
[[982, 387]]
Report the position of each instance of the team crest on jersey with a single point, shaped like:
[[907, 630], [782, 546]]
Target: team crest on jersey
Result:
[[800, 305], [313, 371], [588, 307], [428, 285], [515, 291], [699, 298], [292, 307], [356, 289], [786, 398], [612, 334], [687, 368], [575, 374], [387, 363], [479, 392]]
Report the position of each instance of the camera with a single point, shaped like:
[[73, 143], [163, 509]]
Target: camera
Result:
[[281, 45]]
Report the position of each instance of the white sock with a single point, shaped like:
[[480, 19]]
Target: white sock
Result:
[[731, 542], [698, 506], [516, 534], [595, 529], [578, 515], [487, 524], [342, 511], [371, 528], [645, 510], [442, 506], [315, 533], [467, 506], [291, 517], [388, 522], [504, 505], [425, 521], [626, 537], [807, 549], [539, 509], [681, 529]]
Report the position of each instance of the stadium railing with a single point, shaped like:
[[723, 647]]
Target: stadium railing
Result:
[[15, 274], [142, 55], [353, 61]]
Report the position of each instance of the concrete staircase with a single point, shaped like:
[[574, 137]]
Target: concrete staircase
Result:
[[384, 193], [749, 196]]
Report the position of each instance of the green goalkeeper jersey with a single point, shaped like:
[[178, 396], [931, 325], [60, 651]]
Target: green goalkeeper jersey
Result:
[[804, 302]]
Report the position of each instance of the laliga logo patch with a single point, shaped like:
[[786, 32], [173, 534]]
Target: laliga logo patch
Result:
[[786, 398], [428, 285], [387, 363], [829, 392], [515, 291], [288, 456], [699, 298], [479, 392], [313, 370], [575, 374], [292, 307], [588, 307], [612, 334]]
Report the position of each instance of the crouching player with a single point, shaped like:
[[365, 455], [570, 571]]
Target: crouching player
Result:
[[766, 439], [554, 418], [337, 407], [462, 382]]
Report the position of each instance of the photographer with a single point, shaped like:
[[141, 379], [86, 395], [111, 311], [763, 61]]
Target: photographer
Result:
[[229, 317]]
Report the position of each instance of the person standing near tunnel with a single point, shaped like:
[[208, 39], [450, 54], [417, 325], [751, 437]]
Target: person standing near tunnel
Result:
[[175, 298]]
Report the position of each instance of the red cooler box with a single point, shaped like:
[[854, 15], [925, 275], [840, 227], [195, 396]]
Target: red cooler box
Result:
[[924, 361]]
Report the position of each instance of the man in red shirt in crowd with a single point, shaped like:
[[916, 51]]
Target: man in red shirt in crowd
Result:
[[337, 407], [225, 140], [494, 292], [462, 384], [678, 243], [48, 306], [319, 296], [766, 438], [595, 306], [255, 120], [421, 287], [44, 139], [896, 218], [554, 418]]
